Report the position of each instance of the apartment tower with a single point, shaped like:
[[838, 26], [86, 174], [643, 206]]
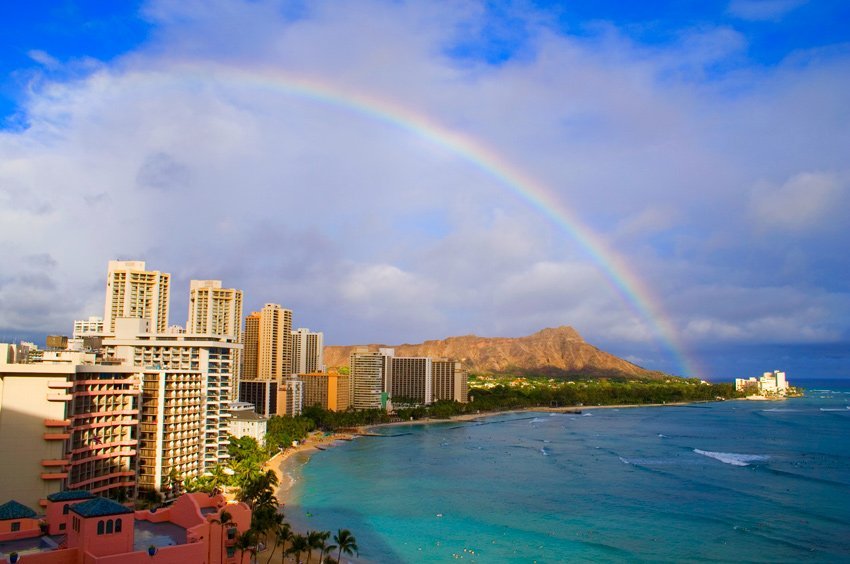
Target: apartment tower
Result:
[[217, 311], [132, 291], [371, 376], [273, 343], [307, 352]]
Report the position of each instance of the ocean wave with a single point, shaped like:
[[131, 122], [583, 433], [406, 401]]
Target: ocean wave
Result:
[[733, 458], [662, 436], [834, 408], [781, 410], [586, 414], [545, 451]]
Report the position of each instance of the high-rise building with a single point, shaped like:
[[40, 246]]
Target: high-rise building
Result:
[[329, 390], [411, 380], [307, 351], [171, 422], [371, 376], [132, 291], [217, 311], [214, 310], [450, 381], [252, 347], [203, 362], [273, 343], [68, 423]]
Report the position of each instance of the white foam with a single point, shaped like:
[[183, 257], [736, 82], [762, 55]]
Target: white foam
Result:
[[733, 458], [781, 410], [624, 461], [832, 409]]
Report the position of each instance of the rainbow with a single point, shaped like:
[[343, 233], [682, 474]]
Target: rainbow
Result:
[[623, 280]]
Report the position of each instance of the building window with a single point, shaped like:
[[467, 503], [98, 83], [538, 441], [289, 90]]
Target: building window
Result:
[[118, 525], [65, 509], [109, 527], [16, 526], [100, 527]]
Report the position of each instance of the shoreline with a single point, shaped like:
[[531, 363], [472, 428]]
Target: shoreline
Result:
[[284, 463], [316, 440]]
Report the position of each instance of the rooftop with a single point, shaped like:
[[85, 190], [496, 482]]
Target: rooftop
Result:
[[69, 495], [14, 510], [100, 507]]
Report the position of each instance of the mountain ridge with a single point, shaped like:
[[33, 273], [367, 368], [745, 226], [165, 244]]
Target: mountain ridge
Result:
[[554, 351]]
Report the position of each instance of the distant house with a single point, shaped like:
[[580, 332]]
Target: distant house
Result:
[[81, 528]]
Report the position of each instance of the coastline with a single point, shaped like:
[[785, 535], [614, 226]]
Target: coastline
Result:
[[284, 464]]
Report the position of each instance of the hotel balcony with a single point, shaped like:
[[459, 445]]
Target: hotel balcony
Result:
[[53, 475], [57, 422], [58, 397], [54, 384], [56, 436], [48, 462]]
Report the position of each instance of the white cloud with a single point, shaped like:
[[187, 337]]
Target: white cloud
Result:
[[804, 201]]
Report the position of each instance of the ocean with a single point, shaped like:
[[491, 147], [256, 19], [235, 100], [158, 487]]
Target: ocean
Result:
[[739, 481]]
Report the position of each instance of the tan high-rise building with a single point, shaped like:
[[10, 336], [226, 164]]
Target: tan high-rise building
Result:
[[450, 381], [252, 346], [329, 390], [307, 351], [273, 344], [217, 311], [214, 310], [132, 291]]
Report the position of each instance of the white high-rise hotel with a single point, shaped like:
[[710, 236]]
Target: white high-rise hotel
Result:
[[307, 351]]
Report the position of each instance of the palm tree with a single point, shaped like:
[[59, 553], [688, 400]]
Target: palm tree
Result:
[[299, 545], [322, 544], [282, 535], [247, 542], [314, 540], [346, 543]]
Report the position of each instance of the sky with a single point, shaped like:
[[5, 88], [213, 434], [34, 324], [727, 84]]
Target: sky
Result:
[[669, 178]]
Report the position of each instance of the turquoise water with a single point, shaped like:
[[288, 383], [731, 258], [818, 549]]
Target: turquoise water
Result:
[[729, 481]]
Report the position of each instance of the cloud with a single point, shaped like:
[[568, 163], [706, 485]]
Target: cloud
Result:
[[804, 201], [249, 157], [763, 10], [43, 58]]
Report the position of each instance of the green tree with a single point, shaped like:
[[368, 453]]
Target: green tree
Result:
[[282, 535], [345, 543], [297, 546]]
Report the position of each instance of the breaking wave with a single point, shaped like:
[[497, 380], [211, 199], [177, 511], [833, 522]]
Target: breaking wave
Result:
[[733, 458]]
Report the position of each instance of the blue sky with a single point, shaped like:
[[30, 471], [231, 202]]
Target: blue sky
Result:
[[704, 143]]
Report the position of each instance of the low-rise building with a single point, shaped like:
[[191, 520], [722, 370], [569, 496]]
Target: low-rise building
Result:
[[245, 422], [97, 530]]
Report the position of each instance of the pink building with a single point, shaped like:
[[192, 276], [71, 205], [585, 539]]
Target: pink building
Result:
[[81, 528]]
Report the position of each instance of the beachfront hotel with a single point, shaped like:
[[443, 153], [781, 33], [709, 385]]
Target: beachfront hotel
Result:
[[370, 372], [329, 390], [307, 352], [78, 527], [67, 422], [770, 384], [450, 381]]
